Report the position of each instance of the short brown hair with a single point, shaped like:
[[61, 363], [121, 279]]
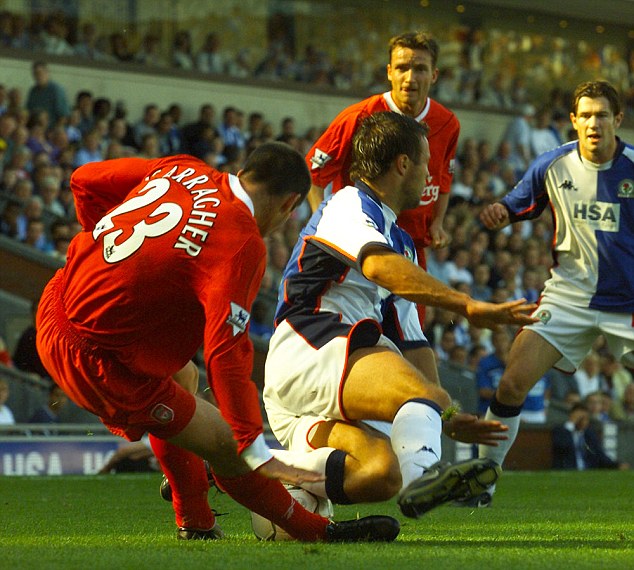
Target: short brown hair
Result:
[[594, 90], [415, 40], [380, 138]]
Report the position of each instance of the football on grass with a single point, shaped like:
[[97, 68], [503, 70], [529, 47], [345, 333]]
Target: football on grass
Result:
[[264, 529]]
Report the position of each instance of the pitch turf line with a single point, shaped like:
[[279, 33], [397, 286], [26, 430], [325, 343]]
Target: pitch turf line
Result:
[[539, 520]]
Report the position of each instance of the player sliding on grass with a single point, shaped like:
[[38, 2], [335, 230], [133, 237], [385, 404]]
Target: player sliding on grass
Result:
[[348, 340], [589, 187], [171, 258]]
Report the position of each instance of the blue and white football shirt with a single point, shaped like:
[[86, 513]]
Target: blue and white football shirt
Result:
[[593, 209], [323, 292]]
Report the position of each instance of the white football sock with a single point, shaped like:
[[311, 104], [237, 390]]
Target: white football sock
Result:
[[310, 460], [498, 453], [416, 434]]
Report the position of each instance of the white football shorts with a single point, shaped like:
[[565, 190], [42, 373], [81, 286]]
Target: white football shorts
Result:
[[303, 385], [572, 330]]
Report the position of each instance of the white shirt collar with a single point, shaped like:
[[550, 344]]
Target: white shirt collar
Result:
[[392, 105], [240, 193]]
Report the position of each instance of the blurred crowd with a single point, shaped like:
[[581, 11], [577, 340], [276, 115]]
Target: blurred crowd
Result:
[[46, 133], [484, 66]]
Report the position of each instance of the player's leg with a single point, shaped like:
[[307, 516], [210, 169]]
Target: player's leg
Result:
[[186, 474], [209, 436], [530, 357], [380, 384]]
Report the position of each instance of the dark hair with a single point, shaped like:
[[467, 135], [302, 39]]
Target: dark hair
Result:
[[382, 137], [595, 89], [281, 168], [415, 40]]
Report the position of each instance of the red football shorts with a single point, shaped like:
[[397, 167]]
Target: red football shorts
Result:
[[128, 404]]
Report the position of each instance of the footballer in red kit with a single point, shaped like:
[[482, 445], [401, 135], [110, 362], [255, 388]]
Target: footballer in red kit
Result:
[[329, 158], [170, 259], [191, 280]]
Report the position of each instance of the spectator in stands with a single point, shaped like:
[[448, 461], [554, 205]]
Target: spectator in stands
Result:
[[47, 95], [6, 415], [577, 446], [90, 149], [84, 104], [49, 412], [624, 408], [182, 56], [149, 146], [598, 406], [480, 289], [210, 58], [229, 129], [614, 376], [119, 48], [587, 376], [437, 264], [147, 124], [150, 52], [36, 235], [54, 37], [50, 188], [9, 219], [101, 109], [88, 45], [457, 268], [192, 133], [169, 140], [543, 138]]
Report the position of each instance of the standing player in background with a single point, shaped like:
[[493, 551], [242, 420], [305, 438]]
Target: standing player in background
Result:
[[589, 186], [171, 258], [411, 71]]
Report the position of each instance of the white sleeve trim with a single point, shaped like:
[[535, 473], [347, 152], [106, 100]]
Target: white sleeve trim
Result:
[[257, 454]]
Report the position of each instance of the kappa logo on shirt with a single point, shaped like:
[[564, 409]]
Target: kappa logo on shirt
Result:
[[319, 159], [238, 319], [568, 185]]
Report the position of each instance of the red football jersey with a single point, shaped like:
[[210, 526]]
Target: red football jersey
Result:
[[329, 158], [170, 259]]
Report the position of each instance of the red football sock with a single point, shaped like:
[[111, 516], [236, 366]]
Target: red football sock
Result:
[[269, 498], [188, 479]]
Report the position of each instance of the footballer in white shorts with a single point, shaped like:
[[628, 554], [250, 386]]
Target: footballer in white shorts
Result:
[[572, 330], [296, 403]]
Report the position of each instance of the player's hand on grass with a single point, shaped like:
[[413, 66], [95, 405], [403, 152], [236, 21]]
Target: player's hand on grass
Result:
[[470, 429], [489, 315], [275, 469]]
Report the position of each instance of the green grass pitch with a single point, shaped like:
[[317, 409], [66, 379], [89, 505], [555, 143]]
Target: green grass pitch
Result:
[[544, 520]]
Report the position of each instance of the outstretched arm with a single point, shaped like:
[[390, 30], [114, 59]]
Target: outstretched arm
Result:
[[397, 274]]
